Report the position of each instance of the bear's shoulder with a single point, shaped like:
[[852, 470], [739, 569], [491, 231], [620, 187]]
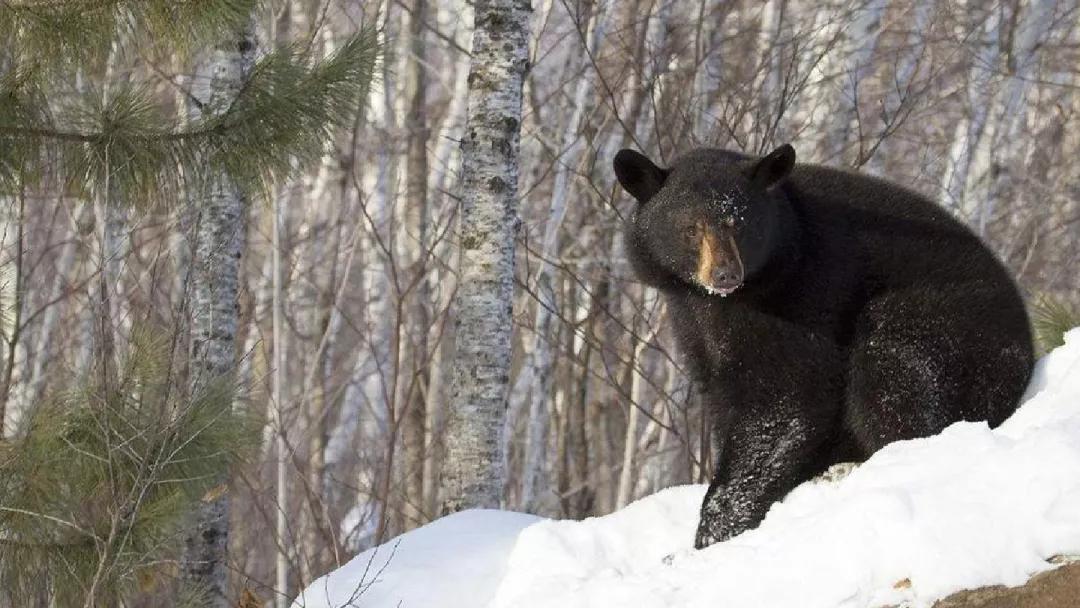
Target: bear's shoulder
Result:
[[858, 199]]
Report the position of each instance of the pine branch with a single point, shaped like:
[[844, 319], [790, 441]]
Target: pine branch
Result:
[[72, 32], [94, 495], [278, 123], [1050, 319]]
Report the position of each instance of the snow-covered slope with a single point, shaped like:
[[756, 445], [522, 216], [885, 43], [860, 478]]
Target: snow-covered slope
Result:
[[921, 519]]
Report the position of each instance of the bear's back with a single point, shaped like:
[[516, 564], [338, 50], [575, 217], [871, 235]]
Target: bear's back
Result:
[[900, 236]]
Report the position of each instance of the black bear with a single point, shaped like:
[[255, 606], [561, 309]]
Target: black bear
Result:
[[823, 314]]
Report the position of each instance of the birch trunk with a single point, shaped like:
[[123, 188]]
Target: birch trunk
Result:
[[858, 40], [768, 82], [901, 98], [533, 387], [969, 130], [630, 444], [658, 460], [321, 267], [445, 156], [380, 317], [1008, 145], [473, 473], [219, 234], [12, 273], [277, 404], [50, 320], [417, 218]]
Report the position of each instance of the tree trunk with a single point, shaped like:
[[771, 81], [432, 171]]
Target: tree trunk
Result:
[[50, 320], [414, 441], [623, 493], [1008, 146], [533, 387], [969, 130], [473, 473], [219, 234], [12, 275]]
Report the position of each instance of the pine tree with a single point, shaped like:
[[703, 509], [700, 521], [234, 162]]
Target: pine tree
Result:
[[1051, 318], [94, 492], [70, 122]]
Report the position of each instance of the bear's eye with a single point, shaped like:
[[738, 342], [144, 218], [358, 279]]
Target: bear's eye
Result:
[[691, 232]]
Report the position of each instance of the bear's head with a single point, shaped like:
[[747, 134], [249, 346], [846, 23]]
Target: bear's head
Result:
[[709, 221]]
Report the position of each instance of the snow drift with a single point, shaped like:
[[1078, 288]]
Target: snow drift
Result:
[[919, 520]]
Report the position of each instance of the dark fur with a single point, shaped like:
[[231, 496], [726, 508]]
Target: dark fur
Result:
[[867, 315]]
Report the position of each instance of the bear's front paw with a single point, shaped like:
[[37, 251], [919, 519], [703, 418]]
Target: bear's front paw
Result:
[[708, 533]]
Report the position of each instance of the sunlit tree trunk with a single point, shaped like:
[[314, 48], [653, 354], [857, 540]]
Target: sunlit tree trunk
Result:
[[532, 389], [969, 129], [473, 473], [847, 67], [219, 234], [416, 242], [1008, 124], [637, 402], [51, 319], [12, 291], [317, 266], [443, 282]]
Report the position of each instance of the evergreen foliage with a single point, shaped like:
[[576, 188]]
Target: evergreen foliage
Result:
[[126, 145], [1050, 319], [97, 487], [77, 31], [95, 491]]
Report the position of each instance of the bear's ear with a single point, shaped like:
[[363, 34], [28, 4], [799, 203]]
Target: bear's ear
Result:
[[770, 170], [638, 175]]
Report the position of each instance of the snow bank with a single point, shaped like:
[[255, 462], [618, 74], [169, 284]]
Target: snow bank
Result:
[[453, 561], [918, 521]]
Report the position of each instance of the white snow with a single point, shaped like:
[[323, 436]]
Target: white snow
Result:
[[919, 520], [450, 562]]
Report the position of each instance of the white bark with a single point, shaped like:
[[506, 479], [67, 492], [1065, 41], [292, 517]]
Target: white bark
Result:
[[630, 445], [1008, 145], [969, 130], [657, 466], [416, 241], [277, 406], [770, 77], [219, 234], [12, 304], [379, 318], [63, 272], [111, 222], [907, 70], [317, 260], [473, 473], [533, 386], [445, 156], [849, 63]]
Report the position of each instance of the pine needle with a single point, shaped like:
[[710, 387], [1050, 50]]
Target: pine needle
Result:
[[79, 32], [126, 149], [95, 492], [1050, 319]]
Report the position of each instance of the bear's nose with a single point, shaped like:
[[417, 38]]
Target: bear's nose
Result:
[[726, 277]]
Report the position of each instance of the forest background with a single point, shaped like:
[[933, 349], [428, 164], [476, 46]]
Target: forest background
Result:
[[975, 104]]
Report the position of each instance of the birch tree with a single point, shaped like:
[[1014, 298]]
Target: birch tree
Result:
[[472, 475], [532, 389], [219, 233]]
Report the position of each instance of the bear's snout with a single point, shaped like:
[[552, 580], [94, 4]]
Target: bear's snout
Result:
[[719, 268]]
